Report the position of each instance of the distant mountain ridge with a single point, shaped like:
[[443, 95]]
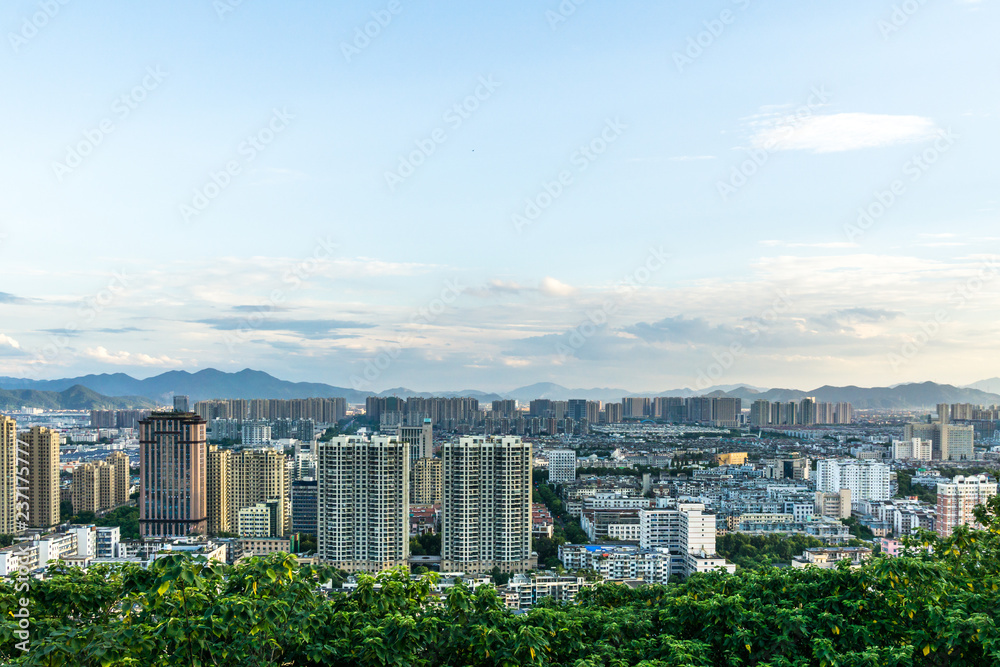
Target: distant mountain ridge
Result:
[[248, 383], [76, 397]]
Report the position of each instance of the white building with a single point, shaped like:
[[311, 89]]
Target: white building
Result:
[[486, 509], [914, 448], [618, 563], [562, 465], [255, 433], [867, 480], [363, 503], [687, 532]]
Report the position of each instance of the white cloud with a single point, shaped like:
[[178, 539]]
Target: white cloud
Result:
[[772, 243], [553, 287], [123, 358], [840, 132], [7, 340]]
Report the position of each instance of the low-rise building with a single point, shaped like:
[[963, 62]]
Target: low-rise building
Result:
[[828, 557]]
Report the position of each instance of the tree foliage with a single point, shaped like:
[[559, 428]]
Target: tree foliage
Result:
[[929, 607]]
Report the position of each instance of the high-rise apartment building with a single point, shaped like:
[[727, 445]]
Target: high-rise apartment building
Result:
[[122, 477], [687, 531], [43, 476], [613, 413], [8, 476], [957, 500], [950, 442], [636, 407], [259, 476], [427, 482], [486, 514], [363, 513], [181, 403], [85, 489], [505, 408], [562, 465], [173, 448], [217, 491], [760, 412], [867, 480]]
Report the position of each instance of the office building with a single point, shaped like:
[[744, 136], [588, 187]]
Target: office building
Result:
[[305, 505], [562, 465], [867, 480], [363, 503], [486, 514], [43, 476], [173, 448], [957, 500]]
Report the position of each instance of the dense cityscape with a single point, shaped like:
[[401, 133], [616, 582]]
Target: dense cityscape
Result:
[[539, 500]]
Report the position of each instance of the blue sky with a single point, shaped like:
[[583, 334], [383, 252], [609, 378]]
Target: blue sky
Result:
[[611, 204]]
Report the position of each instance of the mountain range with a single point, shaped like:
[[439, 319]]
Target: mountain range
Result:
[[121, 390]]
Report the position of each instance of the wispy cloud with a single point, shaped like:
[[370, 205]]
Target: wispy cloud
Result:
[[834, 133], [122, 358]]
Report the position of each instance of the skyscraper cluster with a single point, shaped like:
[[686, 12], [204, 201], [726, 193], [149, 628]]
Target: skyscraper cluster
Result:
[[805, 412]]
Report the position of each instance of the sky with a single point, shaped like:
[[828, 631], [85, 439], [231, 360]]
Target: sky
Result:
[[450, 196]]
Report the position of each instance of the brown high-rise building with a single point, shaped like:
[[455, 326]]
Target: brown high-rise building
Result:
[[122, 477], [43, 476], [8, 476], [173, 450]]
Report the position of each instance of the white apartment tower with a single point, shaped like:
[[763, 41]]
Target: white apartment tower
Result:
[[562, 465], [363, 503], [486, 514]]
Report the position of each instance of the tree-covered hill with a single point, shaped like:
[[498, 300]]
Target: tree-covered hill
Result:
[[921, 609]]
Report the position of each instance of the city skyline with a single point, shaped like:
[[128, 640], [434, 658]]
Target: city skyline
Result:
[[325, 205]]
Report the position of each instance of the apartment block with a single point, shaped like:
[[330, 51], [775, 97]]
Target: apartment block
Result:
[[914, 448], [8, 476], [43, 476], [867, 480], [562, 465], [363, 503], [486, 513], [957, 500], [836, 504], [427, 482]]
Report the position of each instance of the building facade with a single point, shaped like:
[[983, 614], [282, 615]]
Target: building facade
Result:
[[173, 448], [486, 513], [363, 503], [957, 500], [43, 476]]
